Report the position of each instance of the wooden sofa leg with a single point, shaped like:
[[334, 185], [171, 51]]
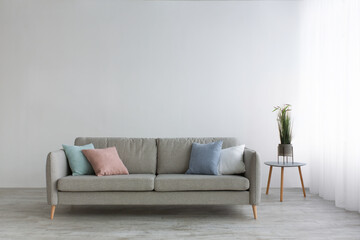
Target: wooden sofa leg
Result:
[[254, 211], [52, 211]]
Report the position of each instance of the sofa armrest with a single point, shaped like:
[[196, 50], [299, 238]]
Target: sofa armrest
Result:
[[253, 173], [56, 168]]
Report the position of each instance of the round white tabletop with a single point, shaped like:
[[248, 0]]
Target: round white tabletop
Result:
[[281, 164]]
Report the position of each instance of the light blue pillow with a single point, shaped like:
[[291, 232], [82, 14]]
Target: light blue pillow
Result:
[[205, 158], [78, 163]]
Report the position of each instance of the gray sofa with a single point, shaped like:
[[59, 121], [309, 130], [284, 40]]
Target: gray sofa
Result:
[[156, 168]]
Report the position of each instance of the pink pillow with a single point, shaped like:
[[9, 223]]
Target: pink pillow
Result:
[[105, 161]]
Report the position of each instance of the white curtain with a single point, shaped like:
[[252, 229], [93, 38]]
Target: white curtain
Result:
[[329, 106]]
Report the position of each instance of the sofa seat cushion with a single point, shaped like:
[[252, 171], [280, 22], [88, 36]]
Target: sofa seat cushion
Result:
[[87, 183], [186, 182]]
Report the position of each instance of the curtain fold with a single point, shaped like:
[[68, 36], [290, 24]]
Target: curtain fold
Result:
[[329, 106]]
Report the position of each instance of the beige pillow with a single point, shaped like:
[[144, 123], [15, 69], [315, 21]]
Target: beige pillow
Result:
[[105, 161]]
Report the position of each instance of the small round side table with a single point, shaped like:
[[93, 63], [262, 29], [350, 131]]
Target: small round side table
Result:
[[284, 165]]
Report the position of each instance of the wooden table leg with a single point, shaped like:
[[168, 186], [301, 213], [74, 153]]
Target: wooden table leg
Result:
[[282, 184], [268, 185], [302, 182]]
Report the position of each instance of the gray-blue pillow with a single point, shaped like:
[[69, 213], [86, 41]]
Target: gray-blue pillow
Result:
[[204, 158], [78, 163]]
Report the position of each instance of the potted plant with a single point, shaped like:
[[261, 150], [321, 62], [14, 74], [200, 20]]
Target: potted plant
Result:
[[285, 148]]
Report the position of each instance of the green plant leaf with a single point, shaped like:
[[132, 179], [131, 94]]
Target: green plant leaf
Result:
[[284, 123]]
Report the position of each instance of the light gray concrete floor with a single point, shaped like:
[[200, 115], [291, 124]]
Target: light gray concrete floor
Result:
[[24, 214]]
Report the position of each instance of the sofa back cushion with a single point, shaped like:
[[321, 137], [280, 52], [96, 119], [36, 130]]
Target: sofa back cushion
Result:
[[174, 153], [138, 154]]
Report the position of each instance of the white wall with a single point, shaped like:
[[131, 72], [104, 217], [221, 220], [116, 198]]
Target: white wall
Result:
[[142, 69]]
